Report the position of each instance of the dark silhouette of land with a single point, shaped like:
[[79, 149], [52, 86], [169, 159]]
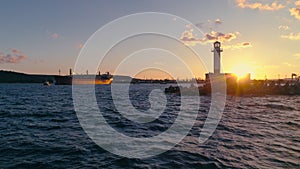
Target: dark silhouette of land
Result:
[[16, 77], [251, 88]]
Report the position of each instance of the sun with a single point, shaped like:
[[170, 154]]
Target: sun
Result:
[[240, 70]]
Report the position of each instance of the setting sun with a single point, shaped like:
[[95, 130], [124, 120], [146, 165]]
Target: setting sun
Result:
[[242, 69]]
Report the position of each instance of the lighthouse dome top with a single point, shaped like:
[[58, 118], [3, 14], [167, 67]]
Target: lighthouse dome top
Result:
[[217, 44]]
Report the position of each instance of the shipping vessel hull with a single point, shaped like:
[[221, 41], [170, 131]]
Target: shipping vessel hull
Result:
[[91, 80]]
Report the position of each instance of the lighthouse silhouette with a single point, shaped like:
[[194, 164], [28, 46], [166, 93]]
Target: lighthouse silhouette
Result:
[[217, 57], [217, 76]]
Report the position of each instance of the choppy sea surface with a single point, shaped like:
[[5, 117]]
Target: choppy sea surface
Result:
[[39, 129]]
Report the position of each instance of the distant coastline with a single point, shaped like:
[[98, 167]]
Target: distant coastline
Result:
[[17, 77], [253, 88]]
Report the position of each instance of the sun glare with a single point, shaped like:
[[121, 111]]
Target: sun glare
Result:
[[242, 69]]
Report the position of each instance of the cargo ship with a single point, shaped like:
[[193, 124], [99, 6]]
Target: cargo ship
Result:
[[99, 79]]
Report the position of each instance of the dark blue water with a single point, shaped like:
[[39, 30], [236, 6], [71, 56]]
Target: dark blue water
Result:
[[39, 129]]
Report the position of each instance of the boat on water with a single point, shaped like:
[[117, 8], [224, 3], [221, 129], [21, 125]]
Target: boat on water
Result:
[[99, 79], [47, 83]]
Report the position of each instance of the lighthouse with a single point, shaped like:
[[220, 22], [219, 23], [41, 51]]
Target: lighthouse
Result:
[[217, 57], [219, 81]]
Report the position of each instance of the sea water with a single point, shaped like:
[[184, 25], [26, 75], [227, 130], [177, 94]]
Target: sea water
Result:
[[39, 129]]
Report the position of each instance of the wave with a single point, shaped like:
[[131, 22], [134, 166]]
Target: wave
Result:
[[279, 107]]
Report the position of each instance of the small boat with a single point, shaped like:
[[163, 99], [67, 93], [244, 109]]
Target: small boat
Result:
[[47, 83], [173, 89]]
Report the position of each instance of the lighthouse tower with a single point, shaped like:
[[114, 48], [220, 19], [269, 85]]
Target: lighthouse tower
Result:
[[217, 57]]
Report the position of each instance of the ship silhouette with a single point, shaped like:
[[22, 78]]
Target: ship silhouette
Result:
[[70, 79]]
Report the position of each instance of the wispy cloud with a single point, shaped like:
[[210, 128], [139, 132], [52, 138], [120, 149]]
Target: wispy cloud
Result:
[[52, 35], [209, 25], [296, 11], [16, 51], [291, 36], [218, 21], [284, 27], [213, 36], [238, 46], [15, 56], [258, 5], [79, 46], [190, 39]]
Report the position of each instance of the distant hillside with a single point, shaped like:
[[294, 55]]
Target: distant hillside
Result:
[[15, 77]]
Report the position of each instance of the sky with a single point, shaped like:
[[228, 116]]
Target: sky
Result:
[[261, 37]]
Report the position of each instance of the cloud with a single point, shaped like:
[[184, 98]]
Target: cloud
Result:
[[54, 36], [295, 11], [284, 27], [291, 36], [190, 39], [209, 25], [238, 46], [213, 36], [14, 57], [257, 5], [218, 21], [80, 45], [14, 50]]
